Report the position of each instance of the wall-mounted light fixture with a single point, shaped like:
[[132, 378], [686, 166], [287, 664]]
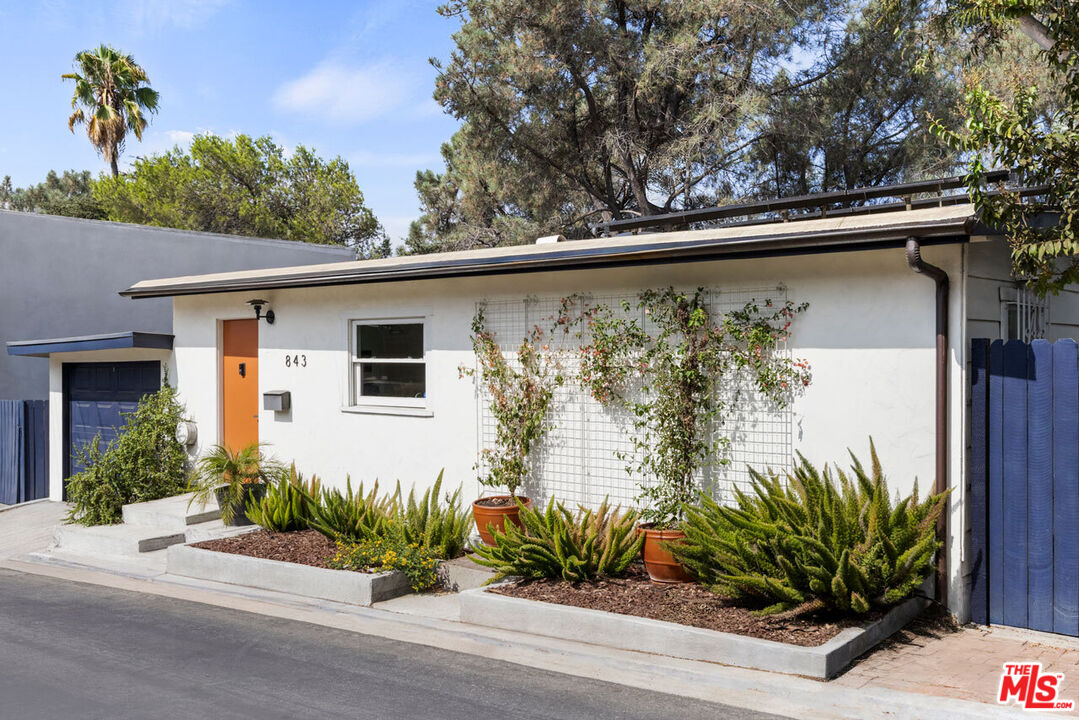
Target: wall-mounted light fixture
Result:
[[257, 304]]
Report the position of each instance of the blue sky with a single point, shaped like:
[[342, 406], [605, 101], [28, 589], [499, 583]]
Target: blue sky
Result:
[[346, 78]]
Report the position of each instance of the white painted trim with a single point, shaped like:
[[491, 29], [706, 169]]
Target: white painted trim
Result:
[[382, 405]]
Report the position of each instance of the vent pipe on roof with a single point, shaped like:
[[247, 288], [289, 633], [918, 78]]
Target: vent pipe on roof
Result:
[[547, 239], [940, 277]]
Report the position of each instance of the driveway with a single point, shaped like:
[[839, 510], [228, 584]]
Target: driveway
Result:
[[75, 650]]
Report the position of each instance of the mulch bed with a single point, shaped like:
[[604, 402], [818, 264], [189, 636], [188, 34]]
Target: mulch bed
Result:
[[304, 547], [685, 604]]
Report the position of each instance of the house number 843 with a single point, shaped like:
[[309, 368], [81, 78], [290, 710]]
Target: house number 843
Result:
[[295, 361]]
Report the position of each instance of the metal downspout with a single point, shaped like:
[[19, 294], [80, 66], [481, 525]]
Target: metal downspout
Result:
[[940, 277]]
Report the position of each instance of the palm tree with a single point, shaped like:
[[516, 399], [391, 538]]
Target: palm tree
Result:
[[113, 91]]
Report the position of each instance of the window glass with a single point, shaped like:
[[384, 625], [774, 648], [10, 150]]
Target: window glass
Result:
[[388, 365], [403, 380], [390, 341]]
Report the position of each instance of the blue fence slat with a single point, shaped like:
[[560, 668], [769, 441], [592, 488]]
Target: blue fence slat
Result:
[[995, 494], [1014, 455], [36, 450], [10, 474], [1040, 486], [979, 482], [1066, 487], [24, 457]]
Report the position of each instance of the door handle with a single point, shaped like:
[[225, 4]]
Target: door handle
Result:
[[243, 369]]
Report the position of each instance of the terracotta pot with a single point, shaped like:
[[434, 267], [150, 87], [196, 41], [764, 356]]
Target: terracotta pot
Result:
[[660, 564], [497, 515]]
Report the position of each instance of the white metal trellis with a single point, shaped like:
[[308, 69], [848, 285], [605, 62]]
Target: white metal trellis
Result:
[[584, 458]]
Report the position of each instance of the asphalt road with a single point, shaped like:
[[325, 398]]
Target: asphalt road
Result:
[[69, 650]]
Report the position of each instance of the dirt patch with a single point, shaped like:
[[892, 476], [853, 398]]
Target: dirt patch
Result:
[[497, 501], [304, 547], [685, 604]]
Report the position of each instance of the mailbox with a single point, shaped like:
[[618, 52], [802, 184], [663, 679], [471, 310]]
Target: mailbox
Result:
[[277, 400]]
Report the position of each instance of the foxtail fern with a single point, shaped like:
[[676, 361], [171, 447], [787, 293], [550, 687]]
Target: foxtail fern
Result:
[[352, 516], [558, 543], [288, 504], [441, 529], [815, 541]]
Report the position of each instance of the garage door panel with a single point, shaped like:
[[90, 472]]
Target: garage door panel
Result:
[[97, 398]]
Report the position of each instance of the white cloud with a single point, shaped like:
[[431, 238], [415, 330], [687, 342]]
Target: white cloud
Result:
[[150, 15], [368, 158], [179, 137], [342, 94]]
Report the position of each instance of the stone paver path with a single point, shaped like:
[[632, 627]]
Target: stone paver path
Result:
[[965, 663]]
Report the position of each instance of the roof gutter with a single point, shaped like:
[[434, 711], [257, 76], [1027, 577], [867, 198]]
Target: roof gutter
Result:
[[940, 485], [611, 253]]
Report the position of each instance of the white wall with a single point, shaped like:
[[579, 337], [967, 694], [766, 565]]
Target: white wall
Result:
[[868, 333]]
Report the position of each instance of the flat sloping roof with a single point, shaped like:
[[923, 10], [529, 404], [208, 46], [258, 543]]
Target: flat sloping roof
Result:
[[334, 251], [850, 232], [106, 341]]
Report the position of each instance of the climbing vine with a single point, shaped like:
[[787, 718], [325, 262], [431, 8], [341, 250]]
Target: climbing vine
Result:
[[519, 397], [675, 367]]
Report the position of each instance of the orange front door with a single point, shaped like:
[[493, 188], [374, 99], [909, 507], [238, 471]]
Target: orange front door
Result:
[[240, 383]]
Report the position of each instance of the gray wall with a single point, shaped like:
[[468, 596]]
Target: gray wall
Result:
[[59, 277], [988, 270]]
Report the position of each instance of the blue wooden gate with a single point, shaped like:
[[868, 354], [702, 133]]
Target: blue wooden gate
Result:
[[24, 451], [1024, 484]]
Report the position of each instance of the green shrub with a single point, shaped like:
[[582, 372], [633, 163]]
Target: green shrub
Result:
[[287, 504], [813, 542], [352, 516], [389, 553], [442, 529], [563, 544], [143, 463]]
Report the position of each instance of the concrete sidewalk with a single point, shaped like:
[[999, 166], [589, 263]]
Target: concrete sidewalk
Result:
[[870, 690], [29, 527]]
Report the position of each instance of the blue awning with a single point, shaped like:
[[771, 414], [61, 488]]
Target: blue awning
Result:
[[108, 341]]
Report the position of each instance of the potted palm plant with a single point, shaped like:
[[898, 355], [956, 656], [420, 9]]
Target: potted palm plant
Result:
[[234, 479]]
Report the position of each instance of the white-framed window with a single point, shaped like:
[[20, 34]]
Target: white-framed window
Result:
[[388, 363], [1023, 314]]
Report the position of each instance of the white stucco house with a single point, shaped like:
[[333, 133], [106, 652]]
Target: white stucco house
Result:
[[363, 358]]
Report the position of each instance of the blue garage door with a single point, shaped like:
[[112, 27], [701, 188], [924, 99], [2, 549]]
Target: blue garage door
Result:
[[96, 397]]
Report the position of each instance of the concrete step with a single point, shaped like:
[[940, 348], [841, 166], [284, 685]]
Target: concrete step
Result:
[[123, 540], [215, 530], [463, 574], [143, 565], [173, 513]]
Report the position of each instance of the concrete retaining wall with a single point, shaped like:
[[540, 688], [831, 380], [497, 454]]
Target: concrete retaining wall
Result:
[[627, 632], [337, 585]]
